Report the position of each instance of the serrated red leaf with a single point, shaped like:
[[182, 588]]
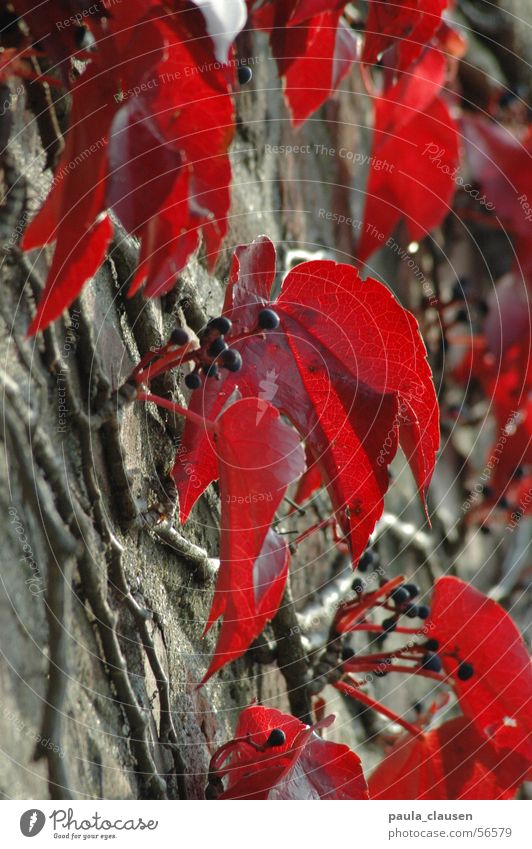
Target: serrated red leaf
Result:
[[349, 369], [477, 630], [258, 458], [450, 762], [304, 767]]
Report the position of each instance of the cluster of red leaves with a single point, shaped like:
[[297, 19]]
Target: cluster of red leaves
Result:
[[303, 766], [486, 753], [497, 155], [149, 134], [313, 47], [346, 365]]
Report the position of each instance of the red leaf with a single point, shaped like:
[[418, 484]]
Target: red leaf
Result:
[[72, 266], [310, 481], [451, 762], [347, 366], [313, 48], [413, 161], [403, 28], [306, 59], [500, 162], [478, 631], [303, 767], [258, 458]]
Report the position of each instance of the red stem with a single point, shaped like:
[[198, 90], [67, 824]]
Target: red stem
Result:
[[325, 523], [357, 694], [425, 673], [170, 360], [181, 411]]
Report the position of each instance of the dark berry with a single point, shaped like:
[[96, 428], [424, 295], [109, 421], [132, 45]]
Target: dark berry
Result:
[[484, 530], [193, 380], [431, 662], [244, 74], [412, 589], [389, 625], [80, 36], [519, 473], [211, 371], [487, 491], [483, 308], [347, 653], [380, 673], [503, 503], [465, 671], [217, 347], [418, 707], [232, 360], [411, 611], [221, 324], [367, 560], [268, 320], [179, 337], [423, 611], [432, 645], [358, 585], [400, 595], [277, 737], [462, 317]]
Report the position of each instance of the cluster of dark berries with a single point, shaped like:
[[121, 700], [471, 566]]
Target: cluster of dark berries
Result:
[[215, 353], [402, 597]]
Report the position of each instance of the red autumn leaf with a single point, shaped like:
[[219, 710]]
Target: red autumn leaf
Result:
[[258, 457], [314, 50], [53, 30], [402, 28], [301, 766], [506, 380], [499, 160], [414, 158], [310, 481], [473, 629], [347, 366], [450, 762]]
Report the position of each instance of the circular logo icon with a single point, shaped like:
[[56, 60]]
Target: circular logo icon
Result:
[[32, 822]]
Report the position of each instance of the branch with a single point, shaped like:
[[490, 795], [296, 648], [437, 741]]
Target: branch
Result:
[[292, 658]]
